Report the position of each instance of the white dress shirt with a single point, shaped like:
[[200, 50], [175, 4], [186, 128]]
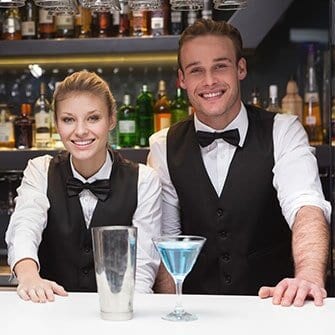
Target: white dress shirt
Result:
[[295, 170], [29, 219]]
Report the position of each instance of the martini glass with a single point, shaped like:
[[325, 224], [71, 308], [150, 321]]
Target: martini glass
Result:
[[178, 254]]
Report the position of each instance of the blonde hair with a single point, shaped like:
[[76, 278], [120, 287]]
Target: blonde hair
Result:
[[203, 27], [85, 82]]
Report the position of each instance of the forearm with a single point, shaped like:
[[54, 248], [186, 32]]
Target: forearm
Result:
[[310, 245], [164, 282]]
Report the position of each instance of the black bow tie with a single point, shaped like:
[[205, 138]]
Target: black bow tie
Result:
[[206, 138], [100, 188]]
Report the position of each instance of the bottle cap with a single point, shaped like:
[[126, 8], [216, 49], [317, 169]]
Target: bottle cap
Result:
[[292, 87], [273, 91]]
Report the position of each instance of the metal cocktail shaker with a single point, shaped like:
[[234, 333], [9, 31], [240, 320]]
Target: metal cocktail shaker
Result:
[[114, 249]]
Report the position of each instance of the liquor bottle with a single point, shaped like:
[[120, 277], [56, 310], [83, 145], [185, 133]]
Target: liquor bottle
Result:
[[11, 28], [176, 22], [292, 101], [23, 128], [256, 98], [105, 24], [95, 24], [64, 26], [115, 23], [53, 82], [207, 11], [191, 17], [127, 124], [273, 105], [179, 106], [6, 127], [144, 113], [140, 23], [124, 25], [28, 22], [312, 113], [42, 120], [160, 19], [162, 111], [46, 24], [82, 23]]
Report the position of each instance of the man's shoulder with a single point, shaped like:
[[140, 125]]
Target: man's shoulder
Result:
[[159, 137]]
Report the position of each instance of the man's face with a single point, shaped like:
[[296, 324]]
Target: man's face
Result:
[[211, 76]]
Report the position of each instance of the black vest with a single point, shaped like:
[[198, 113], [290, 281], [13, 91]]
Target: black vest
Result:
[[248, 240], [65, 252]]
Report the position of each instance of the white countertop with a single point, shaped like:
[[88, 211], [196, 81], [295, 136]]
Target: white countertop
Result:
[[79, 314]]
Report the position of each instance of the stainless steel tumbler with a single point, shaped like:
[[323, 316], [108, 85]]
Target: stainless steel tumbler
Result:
[[114, 249]]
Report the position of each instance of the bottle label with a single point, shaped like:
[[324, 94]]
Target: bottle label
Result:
[[45, 17], [11, 25], [28, 28], [310, 120], [64, 21], [157, 23], [6, 132], [312, 96], [127, 126], [42, 120], [176, 17]]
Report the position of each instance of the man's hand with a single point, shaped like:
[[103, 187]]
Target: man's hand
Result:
[[294, 291]]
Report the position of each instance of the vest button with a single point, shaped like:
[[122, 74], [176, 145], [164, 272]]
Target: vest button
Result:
[[227, 279], [85, 271], [226, 257], [87, 249], [219, 212], [224, 234]]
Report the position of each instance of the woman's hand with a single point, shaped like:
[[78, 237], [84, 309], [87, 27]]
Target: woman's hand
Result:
[[32, 286]]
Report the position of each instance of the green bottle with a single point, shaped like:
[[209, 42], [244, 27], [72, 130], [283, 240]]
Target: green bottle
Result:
[[179, 107], [127, 124], [145, 118]]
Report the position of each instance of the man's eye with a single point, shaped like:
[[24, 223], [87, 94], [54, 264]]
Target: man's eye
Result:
[[195, 70], [220, 66]]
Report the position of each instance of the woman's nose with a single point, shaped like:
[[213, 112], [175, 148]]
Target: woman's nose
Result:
[[81, 128]]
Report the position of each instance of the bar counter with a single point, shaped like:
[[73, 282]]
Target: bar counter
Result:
[[79, 314]]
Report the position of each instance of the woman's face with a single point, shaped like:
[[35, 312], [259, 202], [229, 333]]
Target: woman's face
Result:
[[83, 123]]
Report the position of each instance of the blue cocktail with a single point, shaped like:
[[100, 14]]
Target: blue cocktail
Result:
[[178, 254]]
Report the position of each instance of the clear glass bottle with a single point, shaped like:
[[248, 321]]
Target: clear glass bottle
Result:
[[83, 21], [256, 98], [273, 105], [42, 120], [6, 127], [140, 22], [29, 19], [160, 19], [64, 26], [292, 101], [124, 25], [11, 28], [162, 110], [23, 128], [144, 112], [312, 113], [127, 131], [46, 24]]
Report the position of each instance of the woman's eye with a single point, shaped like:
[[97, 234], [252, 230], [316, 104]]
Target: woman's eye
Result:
[[67, 119], [94, 118]]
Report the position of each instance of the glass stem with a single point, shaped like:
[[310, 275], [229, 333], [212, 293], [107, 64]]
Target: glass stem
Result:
[[179, 289]]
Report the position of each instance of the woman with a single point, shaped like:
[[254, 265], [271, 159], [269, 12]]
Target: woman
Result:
[[61, 198]]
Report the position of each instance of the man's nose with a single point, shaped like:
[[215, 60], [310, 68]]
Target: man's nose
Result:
[[210, 78]]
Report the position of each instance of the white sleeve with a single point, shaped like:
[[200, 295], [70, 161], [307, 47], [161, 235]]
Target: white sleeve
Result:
[[157, 159], [147, 219], [296, 176], [29, 218]]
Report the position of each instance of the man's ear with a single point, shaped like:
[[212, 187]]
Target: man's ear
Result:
[[242, 68], [181, 79]]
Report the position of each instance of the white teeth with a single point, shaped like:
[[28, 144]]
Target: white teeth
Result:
[[83, 142], [211, 95]]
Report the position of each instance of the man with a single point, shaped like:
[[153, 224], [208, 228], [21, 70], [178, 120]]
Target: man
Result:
[[254, 193]]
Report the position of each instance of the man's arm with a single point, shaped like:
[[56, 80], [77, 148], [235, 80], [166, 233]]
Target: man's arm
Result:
[[164, 282], [310, 247]]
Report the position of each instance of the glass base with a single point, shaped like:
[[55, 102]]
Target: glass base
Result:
[[180, 316]]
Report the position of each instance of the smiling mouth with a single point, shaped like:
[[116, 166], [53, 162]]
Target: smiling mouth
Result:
[[211, 95], [83, 143]]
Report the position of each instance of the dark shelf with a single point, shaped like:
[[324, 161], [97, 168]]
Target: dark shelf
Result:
[[75, 46], [16, 160]]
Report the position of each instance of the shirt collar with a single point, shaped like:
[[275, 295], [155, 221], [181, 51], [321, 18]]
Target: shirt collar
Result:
[[241, 122], [103, 173]]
